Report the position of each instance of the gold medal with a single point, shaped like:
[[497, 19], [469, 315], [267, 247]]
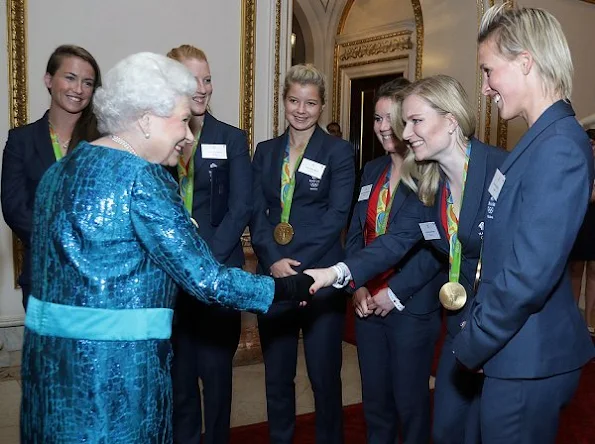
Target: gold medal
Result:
[[453, 296], [283, 233]]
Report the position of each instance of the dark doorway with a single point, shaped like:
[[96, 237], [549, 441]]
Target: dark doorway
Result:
[[361, 119]]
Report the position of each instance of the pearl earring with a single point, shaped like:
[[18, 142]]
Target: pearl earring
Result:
[[147, 135]]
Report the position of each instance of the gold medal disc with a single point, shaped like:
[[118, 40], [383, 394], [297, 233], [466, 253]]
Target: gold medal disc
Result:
[[283, 233], [453, 296]]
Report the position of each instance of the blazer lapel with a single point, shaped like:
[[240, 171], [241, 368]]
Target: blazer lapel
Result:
[[206, 136], [442, 244], [43, 142], [312, 152], [372, 177], [557, 111], [401, 194], [474, 189], [277, 163]]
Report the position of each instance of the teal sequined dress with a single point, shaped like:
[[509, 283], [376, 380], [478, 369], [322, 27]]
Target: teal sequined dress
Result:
[[111, 244]]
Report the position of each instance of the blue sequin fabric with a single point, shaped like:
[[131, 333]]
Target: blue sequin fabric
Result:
[[110, 232]]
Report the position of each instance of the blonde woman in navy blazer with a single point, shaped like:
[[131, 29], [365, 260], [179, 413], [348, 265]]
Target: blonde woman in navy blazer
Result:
[[206, 337], [395, 341], [523, 329], [72, 75], [439, 126], [324, 183]]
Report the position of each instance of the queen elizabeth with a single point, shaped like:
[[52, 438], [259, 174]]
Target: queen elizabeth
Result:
[[111, 244]]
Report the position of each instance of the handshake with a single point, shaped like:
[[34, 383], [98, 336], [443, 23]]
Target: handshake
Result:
[[301, 287], [295, 288]]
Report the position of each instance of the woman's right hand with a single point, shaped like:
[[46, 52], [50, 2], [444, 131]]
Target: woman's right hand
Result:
[[360, 300], [283, 267], [323, 277]]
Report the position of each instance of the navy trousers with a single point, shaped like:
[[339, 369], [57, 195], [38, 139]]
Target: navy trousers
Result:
[[205, 339], [395, 359], [525, 411], [322, 323], [456, 401]]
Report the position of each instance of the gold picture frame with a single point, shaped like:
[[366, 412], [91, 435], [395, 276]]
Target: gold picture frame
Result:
[[16, 25]]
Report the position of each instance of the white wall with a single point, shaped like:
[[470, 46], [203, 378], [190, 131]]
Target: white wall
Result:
[[113, 29], [370, 14]]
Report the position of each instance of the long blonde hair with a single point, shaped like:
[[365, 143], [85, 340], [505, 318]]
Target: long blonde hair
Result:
[[446, 96]]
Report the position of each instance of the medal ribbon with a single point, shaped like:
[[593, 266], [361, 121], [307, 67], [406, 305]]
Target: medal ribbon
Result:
[[56, 144], [288, 184], [454, 256], [385, 203], [186, 176]]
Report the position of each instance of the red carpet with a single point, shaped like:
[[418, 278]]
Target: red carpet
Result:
[[577, 425]]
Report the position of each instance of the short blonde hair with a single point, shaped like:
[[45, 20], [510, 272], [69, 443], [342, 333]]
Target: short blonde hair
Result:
[[514, 30], [305, 74], [183, 52], [446, 96]]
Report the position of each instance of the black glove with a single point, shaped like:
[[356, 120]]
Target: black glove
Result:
[[294, 288]]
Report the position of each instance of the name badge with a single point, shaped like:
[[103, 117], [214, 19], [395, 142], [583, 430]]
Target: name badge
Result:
[[364, 193], [429, 230], [497, 184], [312, 168], [214, 151]]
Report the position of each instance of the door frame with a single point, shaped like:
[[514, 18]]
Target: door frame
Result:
[[399, 65]]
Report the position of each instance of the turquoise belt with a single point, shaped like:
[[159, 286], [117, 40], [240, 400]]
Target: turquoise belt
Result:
[[98, 324]]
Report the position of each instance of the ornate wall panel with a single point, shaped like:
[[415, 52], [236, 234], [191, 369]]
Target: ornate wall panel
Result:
[[247, 51]]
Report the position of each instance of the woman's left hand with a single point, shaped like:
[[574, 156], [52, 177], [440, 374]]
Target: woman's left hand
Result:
[[383, 303]]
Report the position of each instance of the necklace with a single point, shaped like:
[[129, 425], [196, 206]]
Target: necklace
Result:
[[63, 145], [123, 143]]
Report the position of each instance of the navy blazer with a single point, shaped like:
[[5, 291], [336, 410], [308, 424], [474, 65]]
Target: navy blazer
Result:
[[222, 200], [405, 232], [320, 207], [524, 322], [418, 274], [27, 156]]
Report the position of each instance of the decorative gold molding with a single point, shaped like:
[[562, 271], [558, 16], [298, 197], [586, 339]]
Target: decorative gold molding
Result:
[[336, 86], [16, 15], [478, 73], [16, 25], [344, 15], [248, 44], [277, 75], [502, 133], [373, 46], [487, 135], [419, 38], [373, 49]]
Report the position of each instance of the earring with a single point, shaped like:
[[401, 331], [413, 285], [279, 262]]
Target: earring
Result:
[[147, 136], [450, 132]]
